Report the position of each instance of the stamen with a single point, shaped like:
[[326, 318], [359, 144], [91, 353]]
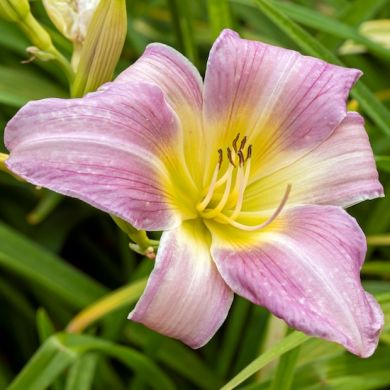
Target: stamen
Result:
[[230, 157], [238, 182], [275, 214], [241, 189], [206, 200], [249, 152], [220, 157], [223, 179], [240, 157], [214, 212], [243, 142], [234, 196], [235, 142]]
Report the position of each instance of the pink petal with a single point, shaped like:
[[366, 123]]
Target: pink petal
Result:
[[186, 297], [182, 85], [280, 99], [112, 149], [171, 71], [341, 171], [306, 271]]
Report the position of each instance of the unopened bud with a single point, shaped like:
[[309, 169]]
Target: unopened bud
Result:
[[377, 31], [71, 17], [102, 47], [14, 10]]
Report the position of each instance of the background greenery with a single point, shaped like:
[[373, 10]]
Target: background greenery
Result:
[[60, 257]]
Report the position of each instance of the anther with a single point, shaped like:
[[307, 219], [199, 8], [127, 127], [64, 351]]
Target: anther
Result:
[[243, 142], [235, 142], [249, 152], [220, 157], [241, 157], [230, 157]]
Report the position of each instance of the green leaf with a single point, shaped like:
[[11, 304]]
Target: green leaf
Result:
[[383, 163], [82, 373], [135, 360], [353, 14], [182, 23], [61, 350], [45, 330], [44, 325], [376, 268], [330, 25], [345, 371], [358, 11], [288, 343], [284, 374], [19, 85], [379, 114], [5, 375], [46, 269], [232, 335], [177, 357], [12, 296], [44, 367], [219, 15]]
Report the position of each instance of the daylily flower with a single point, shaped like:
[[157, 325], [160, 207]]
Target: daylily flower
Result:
[[247, 174]]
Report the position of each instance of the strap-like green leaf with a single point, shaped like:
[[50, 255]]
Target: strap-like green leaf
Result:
[[34, 263], [288, 343]]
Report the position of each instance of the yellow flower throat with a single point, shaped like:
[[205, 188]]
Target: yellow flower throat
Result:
[[225, 207]]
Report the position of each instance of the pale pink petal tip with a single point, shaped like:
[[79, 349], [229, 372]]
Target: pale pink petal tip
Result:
[[185, 297], [308, 274]]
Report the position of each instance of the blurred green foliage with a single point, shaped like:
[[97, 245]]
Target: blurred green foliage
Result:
[[59, 256]]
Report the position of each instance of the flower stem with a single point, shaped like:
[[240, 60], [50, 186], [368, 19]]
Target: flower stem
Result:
[[379, 240], [45, 206], [113, 301], [142, 244], [3, 157], [41, 39], [4, 168]]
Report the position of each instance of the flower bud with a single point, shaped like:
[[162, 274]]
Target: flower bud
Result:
[[14, 10], [377, 30], [102, 46], [71, 17]]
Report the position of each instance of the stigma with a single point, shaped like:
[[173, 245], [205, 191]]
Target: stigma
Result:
[[223, 199]]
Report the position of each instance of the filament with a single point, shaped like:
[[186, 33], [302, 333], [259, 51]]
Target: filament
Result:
[[214, 212], [241, 189], [202, 205], [275, 214]]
